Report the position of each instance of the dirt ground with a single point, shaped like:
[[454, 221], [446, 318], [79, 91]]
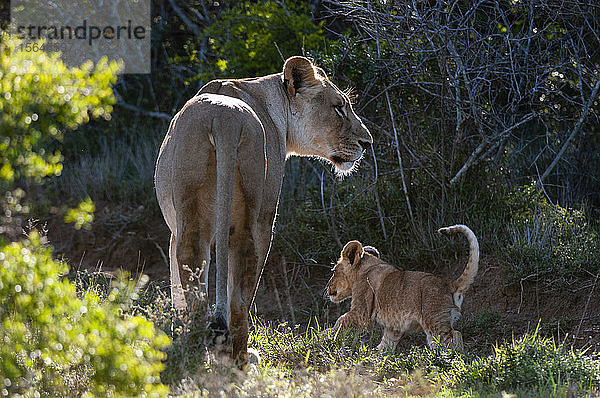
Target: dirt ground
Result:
[[494, 308]]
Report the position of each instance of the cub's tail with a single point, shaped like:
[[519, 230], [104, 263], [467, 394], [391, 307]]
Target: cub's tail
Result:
[[468, 275]]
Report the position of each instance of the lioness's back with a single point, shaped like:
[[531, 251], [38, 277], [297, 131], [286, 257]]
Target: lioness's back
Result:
[[190, 140]]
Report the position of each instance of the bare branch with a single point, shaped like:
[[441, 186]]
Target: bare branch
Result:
[[191, 26], [158, 115], [397, 144], [474, 158], [376, 192], [574, 132]]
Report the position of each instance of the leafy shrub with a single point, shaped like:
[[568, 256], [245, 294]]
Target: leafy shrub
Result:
[[248, 38], [82, 215], [549, 242], [58, 344], [40, 98]]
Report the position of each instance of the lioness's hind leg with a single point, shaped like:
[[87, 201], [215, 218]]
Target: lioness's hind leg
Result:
[[245, 268], [192, 244], [241, 276], [177, 295]]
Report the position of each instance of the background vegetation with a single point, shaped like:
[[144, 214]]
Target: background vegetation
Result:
[[483, 113]]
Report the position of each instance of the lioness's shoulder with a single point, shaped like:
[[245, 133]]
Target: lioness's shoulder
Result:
[[215, 86]]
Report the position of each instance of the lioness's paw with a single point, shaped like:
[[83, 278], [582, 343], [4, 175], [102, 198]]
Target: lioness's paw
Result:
[[254, 357], [218, 334]]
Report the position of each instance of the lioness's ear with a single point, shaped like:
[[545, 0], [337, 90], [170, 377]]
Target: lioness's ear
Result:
[[299, 72], [353, 252]]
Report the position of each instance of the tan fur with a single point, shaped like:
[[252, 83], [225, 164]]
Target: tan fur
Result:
[[220, 169], [400, 300]]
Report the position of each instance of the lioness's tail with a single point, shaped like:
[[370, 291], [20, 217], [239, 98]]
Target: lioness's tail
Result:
[[468, 275]]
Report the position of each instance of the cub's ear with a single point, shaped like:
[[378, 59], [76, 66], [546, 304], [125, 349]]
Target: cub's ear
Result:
[[353, 252], [372, 251], [299, 72]]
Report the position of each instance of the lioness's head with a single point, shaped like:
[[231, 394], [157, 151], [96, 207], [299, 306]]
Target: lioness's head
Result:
[[347, 269], [323, 123]]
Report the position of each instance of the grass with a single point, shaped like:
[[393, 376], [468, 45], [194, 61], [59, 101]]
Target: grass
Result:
[[311, 360], [314, 361], [116, 169], [528, 364], [318, 363]]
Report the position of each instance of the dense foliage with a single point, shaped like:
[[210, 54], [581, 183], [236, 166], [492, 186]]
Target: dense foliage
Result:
[[251, 38], [54, 342], [41, 98], [58, 343]]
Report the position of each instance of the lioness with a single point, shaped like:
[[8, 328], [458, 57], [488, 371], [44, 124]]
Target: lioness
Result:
[[220, 168], [400, 300]]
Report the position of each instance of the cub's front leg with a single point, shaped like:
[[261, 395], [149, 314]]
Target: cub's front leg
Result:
[[350, 318], [361, 311]]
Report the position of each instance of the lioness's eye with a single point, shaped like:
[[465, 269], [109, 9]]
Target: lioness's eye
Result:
[[339, 109]]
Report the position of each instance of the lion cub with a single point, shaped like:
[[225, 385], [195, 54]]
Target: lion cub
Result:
[[401, 300]]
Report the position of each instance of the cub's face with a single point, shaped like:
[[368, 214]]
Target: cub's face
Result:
[[339, 287], [347, 270], [323, 121]]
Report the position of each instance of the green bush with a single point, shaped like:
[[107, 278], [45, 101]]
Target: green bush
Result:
[[41, 100], [58, 344], [549, 243], [247, 39], [41, 97]]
